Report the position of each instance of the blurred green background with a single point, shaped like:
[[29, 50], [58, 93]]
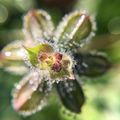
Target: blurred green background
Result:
[[102, 93]]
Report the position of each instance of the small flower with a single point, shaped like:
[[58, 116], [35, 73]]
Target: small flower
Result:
[[54, 60]]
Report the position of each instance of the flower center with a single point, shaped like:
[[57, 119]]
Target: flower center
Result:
[[52, 60], [56, 64]]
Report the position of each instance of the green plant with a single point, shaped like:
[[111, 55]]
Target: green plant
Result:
[[53, 58]]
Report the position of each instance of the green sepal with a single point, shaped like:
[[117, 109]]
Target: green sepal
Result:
[[33, 52], [32, 56], [71, 95], [91, 65]]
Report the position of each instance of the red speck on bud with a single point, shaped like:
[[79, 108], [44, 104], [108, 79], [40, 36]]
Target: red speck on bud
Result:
[[58, 56], [56, 66], [31, 13]]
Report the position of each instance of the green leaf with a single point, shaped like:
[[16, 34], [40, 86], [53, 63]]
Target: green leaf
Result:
[[33, 52], [91, 65], [73, 29], [71, 95], [38, 25]]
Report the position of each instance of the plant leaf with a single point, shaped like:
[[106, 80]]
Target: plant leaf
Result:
[[71, 95], [91, 65]]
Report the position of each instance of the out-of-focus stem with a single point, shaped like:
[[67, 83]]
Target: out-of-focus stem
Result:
[[100, 42], [7, 36]]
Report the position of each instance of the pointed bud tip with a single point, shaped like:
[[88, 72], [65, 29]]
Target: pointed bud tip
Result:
[[31, 13]]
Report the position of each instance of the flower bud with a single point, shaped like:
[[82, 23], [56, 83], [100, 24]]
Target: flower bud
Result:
[[12, 58], [91, 65], [73, 29], [29, 95], [37, 25]]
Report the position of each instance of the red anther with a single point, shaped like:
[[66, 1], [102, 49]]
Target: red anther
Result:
[[58, 56], [43, 57], [56, 66]]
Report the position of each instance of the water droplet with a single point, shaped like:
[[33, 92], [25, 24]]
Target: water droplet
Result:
[[8, 54]]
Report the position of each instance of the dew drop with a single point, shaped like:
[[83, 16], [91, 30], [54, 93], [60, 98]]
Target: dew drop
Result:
[[18, 87]]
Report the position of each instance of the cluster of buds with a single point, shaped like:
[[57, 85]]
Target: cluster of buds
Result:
[[54, 60]]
